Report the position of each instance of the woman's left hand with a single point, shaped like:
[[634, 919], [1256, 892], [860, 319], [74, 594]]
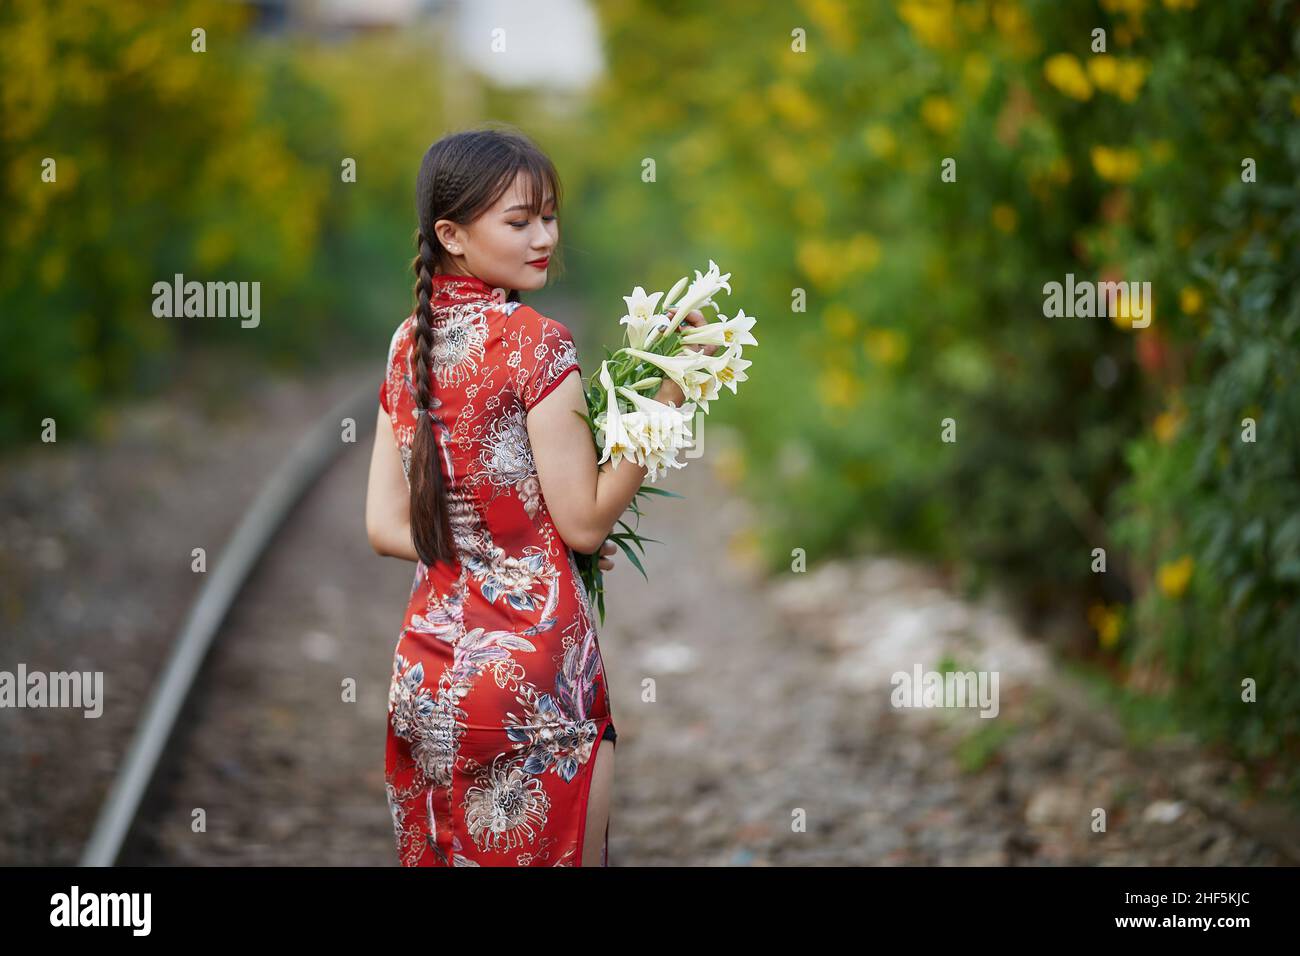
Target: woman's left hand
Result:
[[608, 548], [694, 318]]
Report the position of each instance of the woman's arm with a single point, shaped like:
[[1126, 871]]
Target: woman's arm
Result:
[[388, 496], [585, 502]]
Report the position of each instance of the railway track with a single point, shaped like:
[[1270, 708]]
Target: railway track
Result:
[[301, 470]]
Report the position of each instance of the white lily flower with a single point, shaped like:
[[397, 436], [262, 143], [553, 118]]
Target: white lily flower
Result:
[[641, 319], [636, 429], [688, 368], [675, 291], [618, 444], [674, 423], [733, 371], [658, 461], [698, 296], [676, 365], [727, 332], [694, 372], [661, 431], [706, 286]]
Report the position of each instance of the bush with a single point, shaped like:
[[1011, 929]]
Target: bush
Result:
[[820, 173]]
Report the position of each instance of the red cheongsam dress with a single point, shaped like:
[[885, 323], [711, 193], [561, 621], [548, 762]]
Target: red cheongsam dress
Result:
[[498, 701]]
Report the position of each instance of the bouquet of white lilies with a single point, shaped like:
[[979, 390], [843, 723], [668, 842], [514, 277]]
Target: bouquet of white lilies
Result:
[[628, 424]]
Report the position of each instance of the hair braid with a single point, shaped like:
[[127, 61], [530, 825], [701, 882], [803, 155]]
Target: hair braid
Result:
[[460, 177], [427, 485]]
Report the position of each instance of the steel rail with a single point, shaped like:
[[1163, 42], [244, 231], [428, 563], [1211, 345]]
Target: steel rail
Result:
[[290, 482]]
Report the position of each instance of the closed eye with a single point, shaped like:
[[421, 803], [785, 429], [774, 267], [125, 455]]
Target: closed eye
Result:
[[525, 222]]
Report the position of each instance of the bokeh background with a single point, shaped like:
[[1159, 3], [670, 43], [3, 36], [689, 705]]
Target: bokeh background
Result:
[[798, 144]]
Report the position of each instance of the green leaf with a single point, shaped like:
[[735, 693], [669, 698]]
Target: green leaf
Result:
[[632, 532], [647, 490], [631, 555]]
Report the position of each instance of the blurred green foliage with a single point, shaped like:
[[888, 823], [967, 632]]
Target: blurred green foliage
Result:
[[821, 171], [221, 165]]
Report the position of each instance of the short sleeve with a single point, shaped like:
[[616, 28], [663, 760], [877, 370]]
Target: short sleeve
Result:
[[396, 358], [547, 355]]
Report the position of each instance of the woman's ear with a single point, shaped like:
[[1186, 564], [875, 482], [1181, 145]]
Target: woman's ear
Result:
[[448, 234]]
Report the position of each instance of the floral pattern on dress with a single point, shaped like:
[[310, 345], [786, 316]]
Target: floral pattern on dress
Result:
[[497, 701]]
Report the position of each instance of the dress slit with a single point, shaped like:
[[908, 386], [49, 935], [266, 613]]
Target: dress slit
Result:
[[586, 798]]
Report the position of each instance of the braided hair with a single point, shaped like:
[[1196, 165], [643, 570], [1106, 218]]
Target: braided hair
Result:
[[461, 176]]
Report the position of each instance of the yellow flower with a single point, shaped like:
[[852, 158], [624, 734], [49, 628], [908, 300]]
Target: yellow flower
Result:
[[1004, 217], [1123, 316], [975, 73], [1014, 28], [863, 252], [839, 321], [820, 261], [1106, 622], [1166, 426], [885, 346], [939, 114], [1132, 74], [834, 21], [1173, 576], [1103, 70], [838, 388], [786, 166], [794, 105], [931, 21], [1064, 72], [1119, 165], [1189, 300], [880, 140], [1120, 77]]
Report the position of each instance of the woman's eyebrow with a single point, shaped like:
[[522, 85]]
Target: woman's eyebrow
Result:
[[549, 200]]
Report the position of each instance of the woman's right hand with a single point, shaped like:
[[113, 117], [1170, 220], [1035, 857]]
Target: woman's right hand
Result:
[[670, 393]]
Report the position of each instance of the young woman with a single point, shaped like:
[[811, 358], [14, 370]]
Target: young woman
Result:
[[500, 735]]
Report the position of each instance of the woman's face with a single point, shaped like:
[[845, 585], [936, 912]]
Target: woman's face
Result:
[[501, 246]]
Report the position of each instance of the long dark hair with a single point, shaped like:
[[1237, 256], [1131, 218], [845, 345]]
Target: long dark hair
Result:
[[461, 177]]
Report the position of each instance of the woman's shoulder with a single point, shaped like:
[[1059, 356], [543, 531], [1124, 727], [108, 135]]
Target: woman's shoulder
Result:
[[542, 326], [400, 335]]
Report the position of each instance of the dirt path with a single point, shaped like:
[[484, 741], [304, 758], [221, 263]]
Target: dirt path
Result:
[[754, 717], [771, 704], [95, 574]]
